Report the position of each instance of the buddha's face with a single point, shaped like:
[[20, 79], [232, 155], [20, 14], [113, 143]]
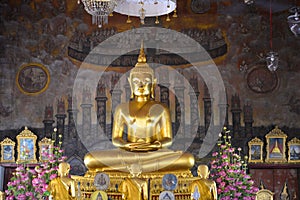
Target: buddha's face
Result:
[[141, 84]]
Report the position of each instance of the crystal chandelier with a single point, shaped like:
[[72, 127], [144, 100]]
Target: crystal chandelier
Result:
[[294, 21], [99, 9], [272, 57], [146, 8]]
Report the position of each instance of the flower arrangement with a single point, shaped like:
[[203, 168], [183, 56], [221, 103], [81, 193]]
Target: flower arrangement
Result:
[[229, 172], [31, 184]]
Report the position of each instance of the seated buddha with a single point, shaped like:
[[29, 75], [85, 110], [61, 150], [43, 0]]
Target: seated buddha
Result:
[[148, 126]]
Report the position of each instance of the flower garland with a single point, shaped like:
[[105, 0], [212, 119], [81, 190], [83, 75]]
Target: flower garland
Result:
[[229, 172], [31, 184]]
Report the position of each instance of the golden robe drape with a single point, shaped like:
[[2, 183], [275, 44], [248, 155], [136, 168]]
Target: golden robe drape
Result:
[[58, 190]]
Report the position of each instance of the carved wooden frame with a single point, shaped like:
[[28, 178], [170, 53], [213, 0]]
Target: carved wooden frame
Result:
[[255, 144], [294, 143], [276, 137], [29, 147], [44, 145], [10, 144]]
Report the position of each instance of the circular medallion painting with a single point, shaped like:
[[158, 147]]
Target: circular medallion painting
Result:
[[169, 182], [101, 181], [33, 78], [261, 80]]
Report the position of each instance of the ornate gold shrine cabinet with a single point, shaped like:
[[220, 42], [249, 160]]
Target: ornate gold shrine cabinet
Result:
[[156, 184]]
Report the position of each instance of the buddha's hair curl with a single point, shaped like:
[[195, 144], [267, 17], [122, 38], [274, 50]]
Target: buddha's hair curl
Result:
[[142, 68]]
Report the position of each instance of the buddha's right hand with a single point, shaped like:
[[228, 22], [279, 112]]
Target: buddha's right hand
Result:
[[138, 146]]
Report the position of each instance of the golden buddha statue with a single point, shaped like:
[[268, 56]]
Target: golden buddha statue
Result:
[[203, 188], [149, 133], [134, 188], [62, 187]]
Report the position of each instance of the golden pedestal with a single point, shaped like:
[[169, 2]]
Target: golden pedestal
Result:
[[184, 179]]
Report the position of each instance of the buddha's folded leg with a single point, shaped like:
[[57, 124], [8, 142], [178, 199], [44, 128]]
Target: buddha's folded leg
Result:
[[119, 159]]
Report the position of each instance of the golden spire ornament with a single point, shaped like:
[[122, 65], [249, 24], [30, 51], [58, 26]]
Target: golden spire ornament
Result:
[[142, 56]]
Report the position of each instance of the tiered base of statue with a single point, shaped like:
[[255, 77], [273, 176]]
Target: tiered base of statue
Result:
[[167, 183]]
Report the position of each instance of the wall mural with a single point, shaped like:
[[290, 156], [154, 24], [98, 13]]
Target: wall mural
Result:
[[211, 39], [48, 33]]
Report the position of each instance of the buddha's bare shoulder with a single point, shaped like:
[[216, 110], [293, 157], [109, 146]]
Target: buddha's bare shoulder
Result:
[[158, 105]]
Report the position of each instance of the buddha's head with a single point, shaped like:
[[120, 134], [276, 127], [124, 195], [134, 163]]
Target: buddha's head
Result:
[[203, 171], [63, 169], [141, 78]]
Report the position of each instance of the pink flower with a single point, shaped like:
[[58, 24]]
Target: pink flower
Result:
[[215, 153], [10, 198], [222, 173], [247, 176], [35, 182], [237, 194], [21, 197], [222, 184], [29, 194], [224, 156]]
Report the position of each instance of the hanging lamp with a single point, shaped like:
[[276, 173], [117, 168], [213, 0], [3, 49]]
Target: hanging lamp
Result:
[[272, 57]]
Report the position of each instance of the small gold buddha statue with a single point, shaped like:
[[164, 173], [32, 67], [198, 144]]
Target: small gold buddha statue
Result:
[[135, 187], [203, 188], [62, 187], [2, 195], [149, 132]]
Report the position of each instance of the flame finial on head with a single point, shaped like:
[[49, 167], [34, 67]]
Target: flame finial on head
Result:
[[142, 56], [141, 66]]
